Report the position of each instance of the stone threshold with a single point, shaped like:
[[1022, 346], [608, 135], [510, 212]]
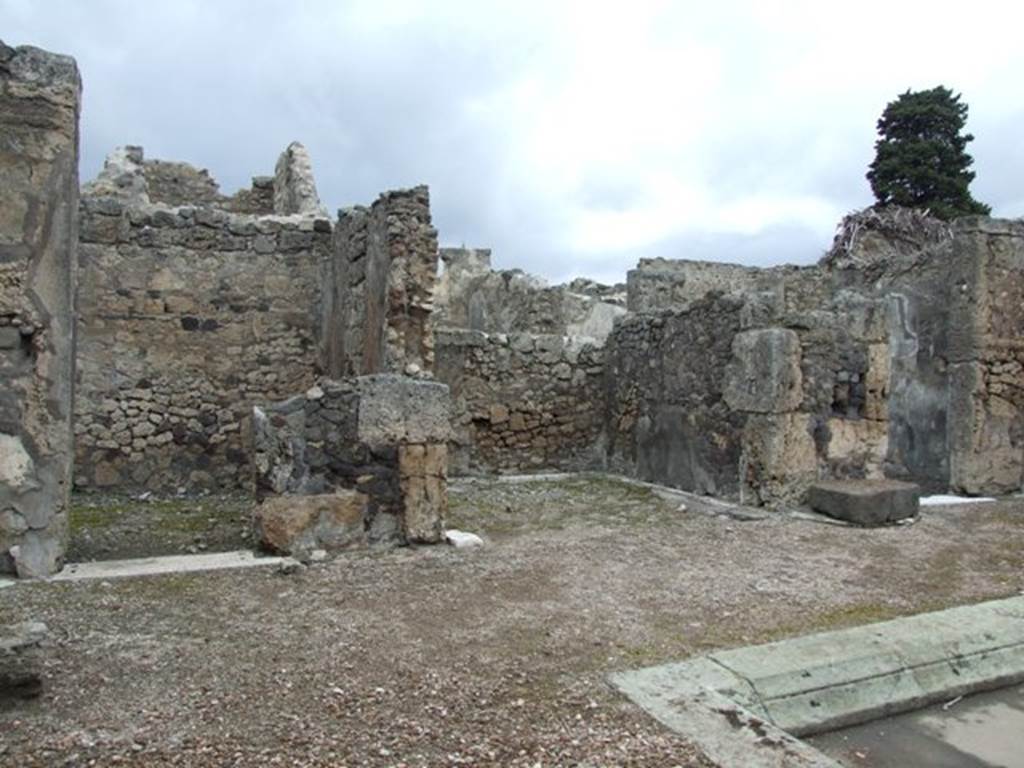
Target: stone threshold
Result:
[[154, 566], [746, 707]]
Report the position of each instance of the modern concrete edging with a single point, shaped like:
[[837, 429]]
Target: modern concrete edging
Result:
[[745, 706]]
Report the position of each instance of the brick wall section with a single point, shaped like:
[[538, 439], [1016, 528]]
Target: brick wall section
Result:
[[522, 401], [188, 316]]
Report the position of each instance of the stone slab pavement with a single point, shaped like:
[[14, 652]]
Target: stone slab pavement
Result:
[[745, 706]]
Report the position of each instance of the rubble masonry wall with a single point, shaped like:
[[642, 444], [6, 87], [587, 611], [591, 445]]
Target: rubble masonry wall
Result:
[[188, 317], [522, 401], [378, 287]]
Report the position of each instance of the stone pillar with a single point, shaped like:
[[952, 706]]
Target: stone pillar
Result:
[[383, 438], [765, 382], [40, 94]]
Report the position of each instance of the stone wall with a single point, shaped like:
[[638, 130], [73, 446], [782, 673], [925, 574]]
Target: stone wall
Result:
[[666, 413], [379, 286], [987, 369], [384, 436], [39, 106], [471, 295], [188, 316], [905, 341], [522, 401]]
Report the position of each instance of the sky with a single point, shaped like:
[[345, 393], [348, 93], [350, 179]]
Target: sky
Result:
[[571, 138]]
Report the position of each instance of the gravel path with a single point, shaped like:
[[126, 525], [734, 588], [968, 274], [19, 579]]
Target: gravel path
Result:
[[485, 657]]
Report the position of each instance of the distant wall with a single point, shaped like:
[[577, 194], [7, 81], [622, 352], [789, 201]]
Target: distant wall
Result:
[[522, 401], [40, 96], [472, 295]]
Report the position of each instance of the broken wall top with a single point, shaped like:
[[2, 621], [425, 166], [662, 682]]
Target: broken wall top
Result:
[[139, 182], [471, 295]]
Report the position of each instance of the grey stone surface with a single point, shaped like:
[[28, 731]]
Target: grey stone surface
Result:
[[522, 402], [764, 374], [866, 502], [39, 107], [188, 316], [396, 410]]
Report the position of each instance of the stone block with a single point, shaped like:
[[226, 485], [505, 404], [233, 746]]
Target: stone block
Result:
[[398, 409], [297, 525], [865, 502], [21, 660], [857, 447], [764, 373], [779, 458], [422, 469]]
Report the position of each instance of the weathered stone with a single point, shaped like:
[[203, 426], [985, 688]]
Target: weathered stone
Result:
[[379, 284], [294, 187], [384, 435], [865, 502], [397, 409], [779, 460], [298, 525], [462, 539], [213, 347], [470, 295], [21, 650], [764, 375], [39, 107]]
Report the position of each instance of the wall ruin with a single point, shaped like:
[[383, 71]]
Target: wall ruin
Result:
[[522, 401], [378, 288], [40, 97], [188, 315], [898, 355]]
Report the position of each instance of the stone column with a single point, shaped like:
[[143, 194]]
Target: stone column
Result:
[[40, 94]]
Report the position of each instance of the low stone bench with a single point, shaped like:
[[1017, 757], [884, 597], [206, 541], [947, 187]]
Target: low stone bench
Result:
[[865, 502]]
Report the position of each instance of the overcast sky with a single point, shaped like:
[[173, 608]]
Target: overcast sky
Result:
[[571, 138]]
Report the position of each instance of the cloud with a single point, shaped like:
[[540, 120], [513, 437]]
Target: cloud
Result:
[[572, 138]]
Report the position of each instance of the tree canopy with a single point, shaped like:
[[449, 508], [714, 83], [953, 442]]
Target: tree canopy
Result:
[[920, 156]]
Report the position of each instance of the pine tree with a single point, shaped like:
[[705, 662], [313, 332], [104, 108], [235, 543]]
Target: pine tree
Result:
[[920, 156]]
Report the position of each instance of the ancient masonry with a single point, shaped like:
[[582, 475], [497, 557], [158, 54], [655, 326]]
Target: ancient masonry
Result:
[[39, 103], [252, 341]]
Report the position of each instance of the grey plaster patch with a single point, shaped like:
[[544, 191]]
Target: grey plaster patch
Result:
[[828, 680]]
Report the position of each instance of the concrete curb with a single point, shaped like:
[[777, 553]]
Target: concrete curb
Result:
[[152, 566], [829, 680]]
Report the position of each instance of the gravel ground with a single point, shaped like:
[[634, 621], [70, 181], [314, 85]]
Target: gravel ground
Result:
[[484, 657]]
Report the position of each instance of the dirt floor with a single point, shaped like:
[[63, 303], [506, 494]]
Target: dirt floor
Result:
[[111, 527], [485, 657]]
